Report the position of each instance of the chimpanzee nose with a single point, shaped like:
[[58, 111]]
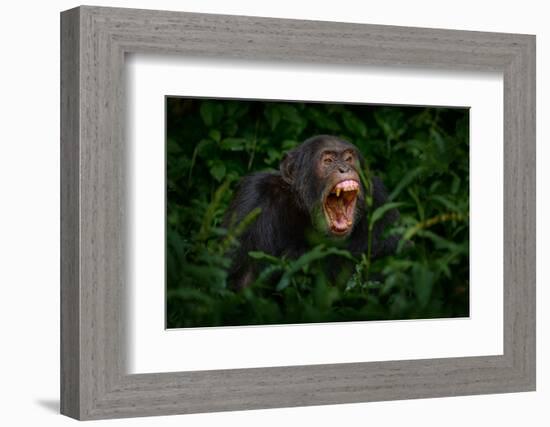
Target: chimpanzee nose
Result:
[[343, 169]]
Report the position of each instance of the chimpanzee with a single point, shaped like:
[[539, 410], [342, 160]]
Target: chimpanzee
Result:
[[317, 193]]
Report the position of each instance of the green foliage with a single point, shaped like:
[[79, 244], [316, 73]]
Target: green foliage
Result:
[[420, 153]]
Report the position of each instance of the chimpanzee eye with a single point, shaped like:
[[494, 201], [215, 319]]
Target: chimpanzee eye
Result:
[[349, 158], [327, 160]]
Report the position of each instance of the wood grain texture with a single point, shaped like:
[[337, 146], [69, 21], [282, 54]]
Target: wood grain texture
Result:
[[70, 221], [94, 382]]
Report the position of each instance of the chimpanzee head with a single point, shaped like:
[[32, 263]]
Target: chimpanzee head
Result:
[[323, 173]]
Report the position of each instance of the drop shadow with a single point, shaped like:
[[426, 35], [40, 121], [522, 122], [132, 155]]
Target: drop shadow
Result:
[[51, 405]]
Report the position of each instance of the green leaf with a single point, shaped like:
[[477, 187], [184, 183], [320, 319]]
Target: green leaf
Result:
[[419, 205], [172, 147], [189, 294], [273, 117], [354, 125], [283, 283], [198, 149], [380, 211], [456, 183], [406, 180], [209, 215], [423, 284], [383, 123], [236, 109], [267, 272], [233, 144], [211, 112], [217, 170], [290, 113], [391, 121], [442, 243], [447, 203], [262, 256], [273, 156], [215, 135], [317, 253], [438, 139], [322, 120], [289, 144], [176, 243]]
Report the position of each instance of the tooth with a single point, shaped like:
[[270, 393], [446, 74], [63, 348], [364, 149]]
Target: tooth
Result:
[[338, 192]]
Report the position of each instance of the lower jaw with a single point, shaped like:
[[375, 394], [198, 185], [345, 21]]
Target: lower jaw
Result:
[[340, 232], [333, 230]]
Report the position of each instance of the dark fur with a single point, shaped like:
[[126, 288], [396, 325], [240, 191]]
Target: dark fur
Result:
[[286, 199]]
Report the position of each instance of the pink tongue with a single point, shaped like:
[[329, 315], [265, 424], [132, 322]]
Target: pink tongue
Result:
[[340, 222]]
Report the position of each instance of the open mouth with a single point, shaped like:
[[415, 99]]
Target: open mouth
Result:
[[339, 206]]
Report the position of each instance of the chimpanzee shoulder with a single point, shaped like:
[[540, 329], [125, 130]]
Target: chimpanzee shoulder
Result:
[[277, 230], [278, 227]]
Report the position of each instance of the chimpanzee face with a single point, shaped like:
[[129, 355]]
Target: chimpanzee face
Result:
[[336, 169], [322, 172]]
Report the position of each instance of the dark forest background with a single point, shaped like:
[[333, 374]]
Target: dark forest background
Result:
[[422, 156]]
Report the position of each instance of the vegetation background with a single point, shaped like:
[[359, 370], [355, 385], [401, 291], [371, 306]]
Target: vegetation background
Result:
[[422, 156]]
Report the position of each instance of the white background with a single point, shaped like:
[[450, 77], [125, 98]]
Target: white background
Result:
[[153, 349], [29, 215]]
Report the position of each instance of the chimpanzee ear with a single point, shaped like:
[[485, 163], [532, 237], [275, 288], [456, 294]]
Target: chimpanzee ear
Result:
[[287, 166]]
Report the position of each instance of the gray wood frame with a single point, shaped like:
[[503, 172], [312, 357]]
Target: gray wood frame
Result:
[[94, 41]]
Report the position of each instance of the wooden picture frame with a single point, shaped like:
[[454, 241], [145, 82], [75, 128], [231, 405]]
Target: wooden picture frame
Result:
[[94, 382]]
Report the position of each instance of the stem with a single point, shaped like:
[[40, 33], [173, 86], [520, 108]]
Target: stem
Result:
[[366, 263], [251, 158], [364, 174], [193, 160]]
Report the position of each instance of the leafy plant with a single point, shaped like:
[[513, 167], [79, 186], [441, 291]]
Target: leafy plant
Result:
[[421, 154]]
